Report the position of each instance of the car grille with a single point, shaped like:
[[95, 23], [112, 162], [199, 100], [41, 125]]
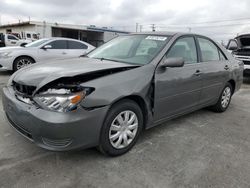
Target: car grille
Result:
[[57, 143], [24, 90]]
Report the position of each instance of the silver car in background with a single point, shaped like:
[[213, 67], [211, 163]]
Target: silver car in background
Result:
[[15, 58]]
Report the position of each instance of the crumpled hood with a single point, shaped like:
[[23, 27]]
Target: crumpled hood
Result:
[[42, 73]]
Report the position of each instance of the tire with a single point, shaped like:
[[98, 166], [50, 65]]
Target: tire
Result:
[[117, 113], [226, 95], [21, 62]]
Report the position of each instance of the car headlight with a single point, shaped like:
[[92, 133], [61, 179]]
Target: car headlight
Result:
[[5, 54], [57, 101]]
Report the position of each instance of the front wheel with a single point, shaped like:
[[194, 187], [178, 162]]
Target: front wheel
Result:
[[121, 128], [224, 100], [22, 62]]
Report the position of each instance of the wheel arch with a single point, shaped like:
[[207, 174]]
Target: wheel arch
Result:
[[22, 56], [233, 84], [140, 102]]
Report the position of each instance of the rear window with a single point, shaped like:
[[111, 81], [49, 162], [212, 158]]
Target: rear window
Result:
[[58, 44], [209, 51], [76, 45]]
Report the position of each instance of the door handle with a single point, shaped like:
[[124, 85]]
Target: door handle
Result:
[[197, 73], [226, 67], [64, 53]]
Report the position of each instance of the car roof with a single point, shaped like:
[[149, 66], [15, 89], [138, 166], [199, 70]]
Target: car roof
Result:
[[155, 33], [61, 38], [171, 34]]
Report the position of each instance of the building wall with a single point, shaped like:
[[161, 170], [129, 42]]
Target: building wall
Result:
[[45, 30], [42, 30]]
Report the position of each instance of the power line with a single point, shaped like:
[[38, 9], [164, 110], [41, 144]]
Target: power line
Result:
[[218, 21]]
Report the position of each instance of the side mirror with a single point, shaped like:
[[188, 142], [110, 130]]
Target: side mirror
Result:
[[232, 45], [23, 44], [47, 47], [84, 54], [173, 62]]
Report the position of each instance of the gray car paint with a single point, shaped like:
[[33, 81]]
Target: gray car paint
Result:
[[176, 91]]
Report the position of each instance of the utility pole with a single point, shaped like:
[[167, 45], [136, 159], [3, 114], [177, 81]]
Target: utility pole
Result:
[[153, 27], [140, 28], [136, 27]]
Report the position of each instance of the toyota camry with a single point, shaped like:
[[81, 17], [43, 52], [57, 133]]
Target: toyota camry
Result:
[[132, 83]]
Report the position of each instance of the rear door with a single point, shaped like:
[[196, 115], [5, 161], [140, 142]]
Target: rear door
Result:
[[58, 50], [177, 90], [76, 49], [214, 70]]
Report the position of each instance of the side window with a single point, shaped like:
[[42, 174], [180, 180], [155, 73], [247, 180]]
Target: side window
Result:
[[28, 35], [35, 36], [76, 45], [58, 44], [11, 37], [209, 51], [184, 47]]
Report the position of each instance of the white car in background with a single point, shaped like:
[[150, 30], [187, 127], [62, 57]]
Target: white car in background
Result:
[[15, 58]]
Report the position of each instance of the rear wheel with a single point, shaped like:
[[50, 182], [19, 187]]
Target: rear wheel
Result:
[[121, 128], [22, 62], [224, 100]]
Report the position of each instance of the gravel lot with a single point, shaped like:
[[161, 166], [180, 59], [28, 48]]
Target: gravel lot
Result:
[[202, 149]]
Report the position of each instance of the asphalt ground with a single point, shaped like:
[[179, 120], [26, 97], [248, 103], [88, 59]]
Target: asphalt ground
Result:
[[202, 149]]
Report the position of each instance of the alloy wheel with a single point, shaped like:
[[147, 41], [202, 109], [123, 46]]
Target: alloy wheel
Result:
[[23, 63]]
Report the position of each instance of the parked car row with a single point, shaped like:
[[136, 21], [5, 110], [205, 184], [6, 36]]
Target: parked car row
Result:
[[107, 98], [15, 58]]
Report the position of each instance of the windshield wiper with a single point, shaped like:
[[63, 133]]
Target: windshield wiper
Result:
[[118, 61]]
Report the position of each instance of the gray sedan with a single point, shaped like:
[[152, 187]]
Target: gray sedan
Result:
[[132, 83]]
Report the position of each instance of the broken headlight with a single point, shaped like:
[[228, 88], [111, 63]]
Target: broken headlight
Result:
[[61, 100]]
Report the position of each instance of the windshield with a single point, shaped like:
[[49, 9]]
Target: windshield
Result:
[[132, 49], [37, 43]]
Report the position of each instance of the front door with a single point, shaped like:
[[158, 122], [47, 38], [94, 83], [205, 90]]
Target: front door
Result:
[[178, 90], [58, 50], [11, 40]]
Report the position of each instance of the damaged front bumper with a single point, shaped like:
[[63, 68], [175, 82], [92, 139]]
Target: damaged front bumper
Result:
[[53, 130]]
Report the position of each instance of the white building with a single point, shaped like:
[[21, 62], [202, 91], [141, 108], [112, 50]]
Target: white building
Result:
[[91, 34]]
